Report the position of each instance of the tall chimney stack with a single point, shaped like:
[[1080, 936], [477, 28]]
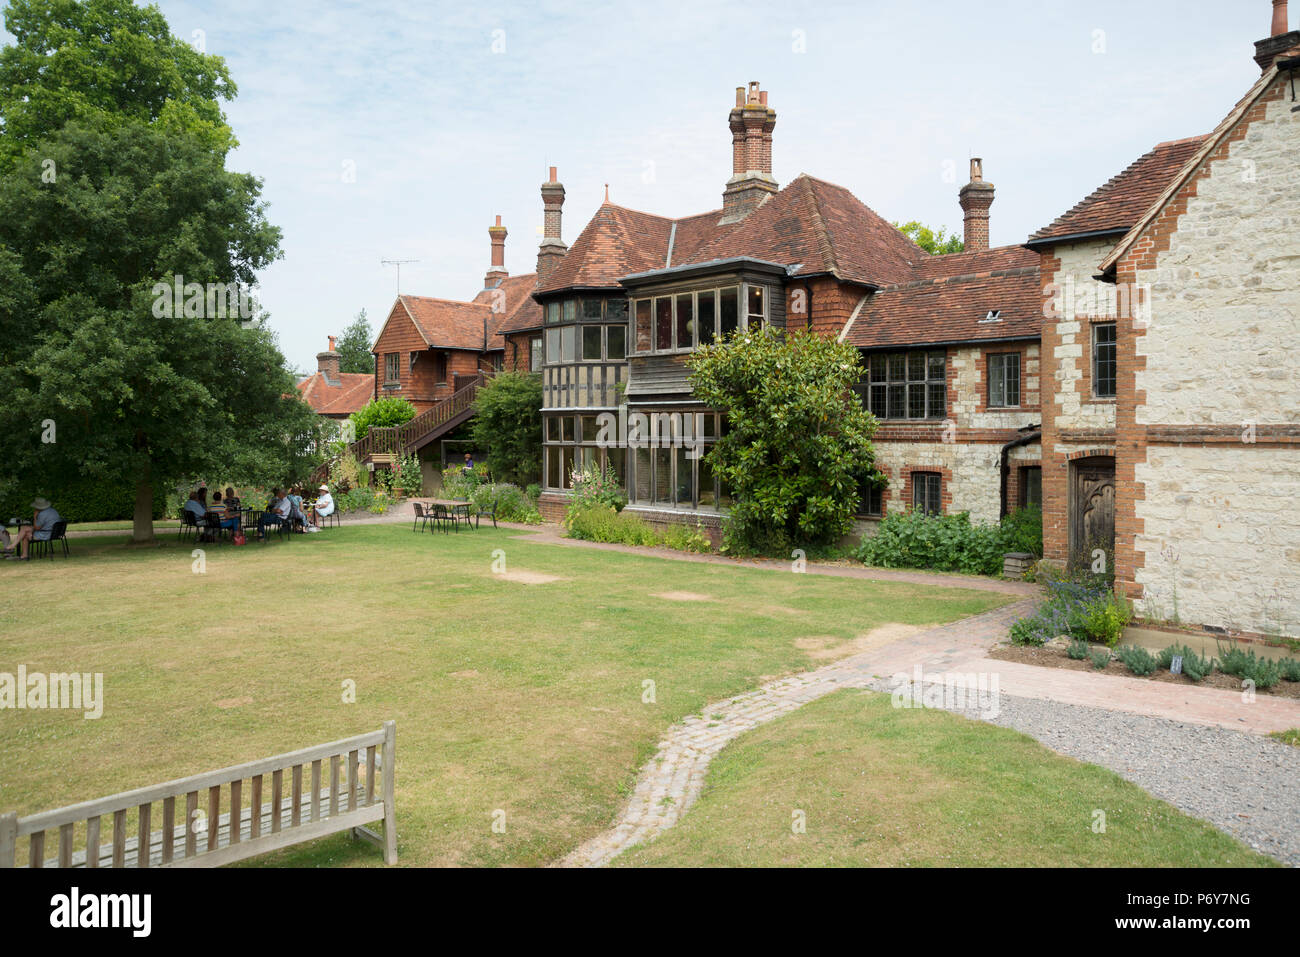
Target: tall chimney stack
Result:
[[1280, 40], [751, 122], [552, 249], [497, 271], [976, 197], [327, 364]]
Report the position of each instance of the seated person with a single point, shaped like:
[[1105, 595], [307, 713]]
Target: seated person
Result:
[[295, 503], [41, 529], [277, 513], [231, 500], [228, 518], [195, 507], [324, 506]]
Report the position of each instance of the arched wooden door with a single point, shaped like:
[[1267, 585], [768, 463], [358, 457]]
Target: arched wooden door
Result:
[[1092, 511]]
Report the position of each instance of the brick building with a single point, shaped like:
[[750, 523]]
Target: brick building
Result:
[[333, 394]]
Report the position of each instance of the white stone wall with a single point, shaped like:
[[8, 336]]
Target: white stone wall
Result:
[[1225, 317], [1222, 522], [1079, 297], [1221, 540]]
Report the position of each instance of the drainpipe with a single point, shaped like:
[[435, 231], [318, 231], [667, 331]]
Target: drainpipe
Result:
[[1028, 439]]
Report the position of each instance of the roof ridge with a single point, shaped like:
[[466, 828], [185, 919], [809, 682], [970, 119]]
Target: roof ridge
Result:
[[829, 262]]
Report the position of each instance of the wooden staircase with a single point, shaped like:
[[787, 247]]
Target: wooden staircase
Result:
[[383, 445]]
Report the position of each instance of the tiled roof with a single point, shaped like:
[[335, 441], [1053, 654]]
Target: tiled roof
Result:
[[820, 228], [810, 224], [1118, 204], [521, 311], [950, 298], [450, 324], [353, 391]]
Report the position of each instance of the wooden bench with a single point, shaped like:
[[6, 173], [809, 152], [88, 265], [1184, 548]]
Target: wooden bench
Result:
[[209, 837]]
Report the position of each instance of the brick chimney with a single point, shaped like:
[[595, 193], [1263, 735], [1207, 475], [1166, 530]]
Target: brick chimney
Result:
[[1280, 40], [327, 364], [751, 121], [976, 198], [552, 249], [497, 271]]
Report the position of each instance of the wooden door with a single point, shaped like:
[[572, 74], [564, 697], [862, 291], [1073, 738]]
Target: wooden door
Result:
[[1092, 511]]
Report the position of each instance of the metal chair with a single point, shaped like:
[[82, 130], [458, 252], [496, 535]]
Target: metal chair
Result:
[[420, 517], [46, 546], [188, 525]]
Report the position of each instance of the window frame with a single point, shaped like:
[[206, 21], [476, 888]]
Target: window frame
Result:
[[1006, 402], [924, 482], [742, 294], [1096, 360], [902, 360], [392, 368]]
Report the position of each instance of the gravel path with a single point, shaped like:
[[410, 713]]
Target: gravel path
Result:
[[1245, 784]]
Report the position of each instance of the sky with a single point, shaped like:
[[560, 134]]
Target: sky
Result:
[[399, 130]]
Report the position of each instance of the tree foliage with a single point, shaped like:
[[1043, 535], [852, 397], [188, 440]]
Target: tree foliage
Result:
[[798, 443], [508, 423], [113, 153], [353, 346], [382, 413], [935, 243]]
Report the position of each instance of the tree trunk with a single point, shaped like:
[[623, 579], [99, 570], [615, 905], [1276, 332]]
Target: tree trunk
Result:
[[142, 533]]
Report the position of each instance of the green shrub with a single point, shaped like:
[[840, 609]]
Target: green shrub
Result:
[[508, 423], [382, 413], [512, 503], [409, 475], [593, 485], [1194, 666], [687, 539], [1138, 660], [1243, 664], [1100, 658], [84, 499], [1289, 668], [603, 523], [1028, 631], [1105, 618], [1078, 649], [457, 483], [1022, 531]]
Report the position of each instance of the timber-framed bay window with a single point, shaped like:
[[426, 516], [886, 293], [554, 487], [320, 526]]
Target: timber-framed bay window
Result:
[[588, 329], [669, 470], [683, 321], [907, 385], [574, 442]]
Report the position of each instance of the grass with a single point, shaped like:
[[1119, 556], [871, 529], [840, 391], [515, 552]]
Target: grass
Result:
[[524, 698], [913, 787], [1290, 736]]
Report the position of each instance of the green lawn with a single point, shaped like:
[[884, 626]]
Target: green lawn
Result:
[[910, 787], [507, 695]]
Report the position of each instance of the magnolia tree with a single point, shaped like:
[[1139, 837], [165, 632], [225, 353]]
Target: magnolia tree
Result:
[[797, 448]]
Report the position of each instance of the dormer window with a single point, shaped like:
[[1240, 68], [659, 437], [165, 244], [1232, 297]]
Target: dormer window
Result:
[[995, 315]]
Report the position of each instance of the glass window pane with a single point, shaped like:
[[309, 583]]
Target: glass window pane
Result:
[[916, 400], [728, 311], [553, 428], [663, 323], [616, 346], [663, 487], [552, 345], [566, 464], [591, 342], [569, 310], [642, 460], [878, 408], [897, 367], [877, 367], [552, 312], [568, 343], [685, 483], [997, 380], [915, 366], [706, 318], [938, 400], [590, 428], [566, 428], [708, 425], [591, 309], [896, 408], [708, 497], [616, 310], [936, 365], [1013, 379], [755, 308], [616, 459], [552, 467], [644, 337], [685, 322]]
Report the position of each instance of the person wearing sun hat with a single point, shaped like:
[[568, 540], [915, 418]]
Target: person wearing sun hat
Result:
[[44, 518], [324, 506]]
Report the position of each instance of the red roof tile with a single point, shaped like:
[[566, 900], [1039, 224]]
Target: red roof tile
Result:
[[949, 299], [615, 242], [449, 323], [353, 391], [1118, 204], [518, 312]]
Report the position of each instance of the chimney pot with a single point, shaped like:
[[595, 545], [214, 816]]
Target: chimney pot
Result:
[[552, 249], [497, 271], [1279, 18], [740, 96], [553, 175], [976, 170], [762, 97], [331, 343]]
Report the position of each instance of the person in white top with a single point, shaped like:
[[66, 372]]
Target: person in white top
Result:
[[324, 506]]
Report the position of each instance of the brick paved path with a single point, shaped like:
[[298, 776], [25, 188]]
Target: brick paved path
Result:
[[674, 777]]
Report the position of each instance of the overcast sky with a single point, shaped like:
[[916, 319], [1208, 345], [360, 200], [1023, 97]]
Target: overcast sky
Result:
[[397, 129]]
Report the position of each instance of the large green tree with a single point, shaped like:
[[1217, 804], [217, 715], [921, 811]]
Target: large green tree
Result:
[[113, 189], [798, 444], [508, 423], [935, 243], [353, 346]]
